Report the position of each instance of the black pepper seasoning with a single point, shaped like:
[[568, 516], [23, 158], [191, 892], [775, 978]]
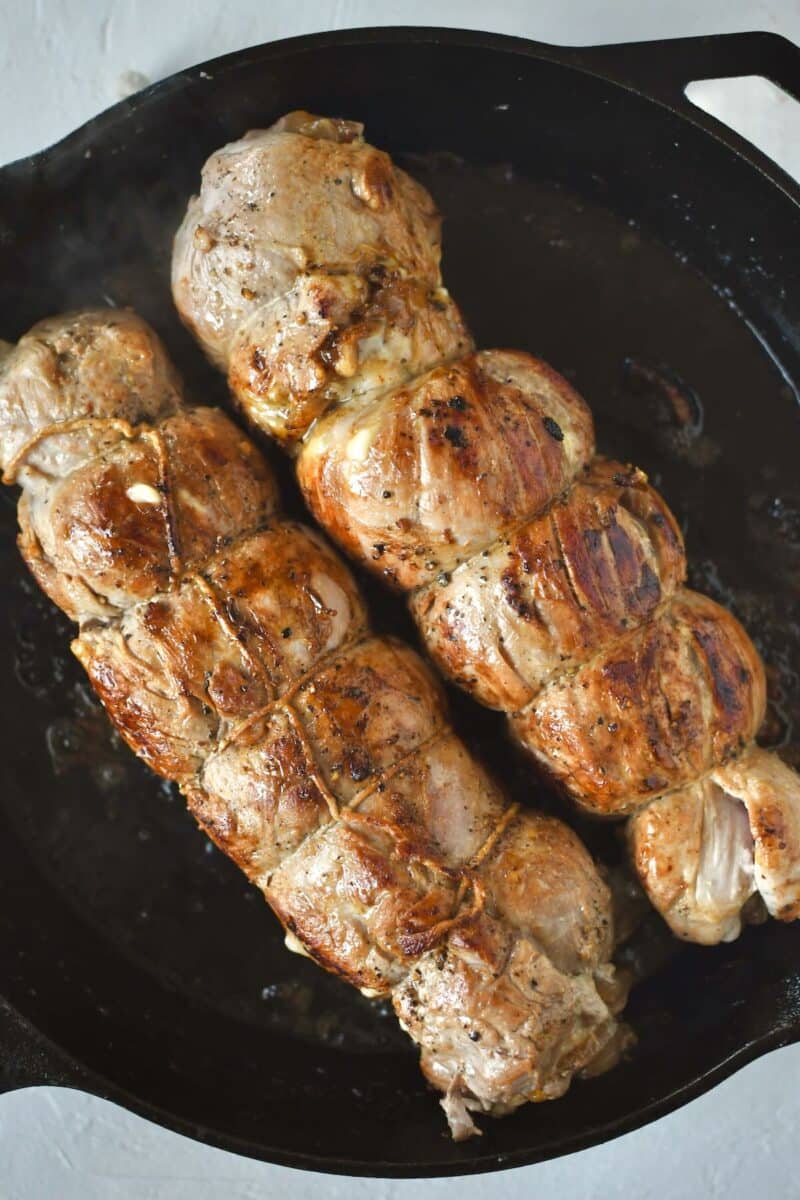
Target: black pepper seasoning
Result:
[[455, 436], [553, 428]]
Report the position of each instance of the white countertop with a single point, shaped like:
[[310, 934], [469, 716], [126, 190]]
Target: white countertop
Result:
[[61, 61]]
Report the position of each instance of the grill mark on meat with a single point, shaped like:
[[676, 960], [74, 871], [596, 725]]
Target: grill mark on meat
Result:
[[156, 439], [623, 556], [718, 671], [225, 622], [528, 609], [586, 552], [566, 565]]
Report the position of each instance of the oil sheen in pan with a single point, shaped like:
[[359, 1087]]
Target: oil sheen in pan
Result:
[[118, 844]]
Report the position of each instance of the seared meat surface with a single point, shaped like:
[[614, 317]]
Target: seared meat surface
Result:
[[232, 651], [545, 581]]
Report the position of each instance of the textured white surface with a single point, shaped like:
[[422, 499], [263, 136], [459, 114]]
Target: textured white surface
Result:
[[739, 1141], [61, 61]]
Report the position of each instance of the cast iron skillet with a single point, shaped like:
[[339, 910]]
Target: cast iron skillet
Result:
[[594, 217]]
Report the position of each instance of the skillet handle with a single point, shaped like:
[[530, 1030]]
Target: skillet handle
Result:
[[29, 1059], [663, 69]]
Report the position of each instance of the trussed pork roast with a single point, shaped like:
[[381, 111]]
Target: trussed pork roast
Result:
[[545, 581], [232, 651]]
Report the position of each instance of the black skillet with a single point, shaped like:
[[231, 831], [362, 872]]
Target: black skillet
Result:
[[593, 216]]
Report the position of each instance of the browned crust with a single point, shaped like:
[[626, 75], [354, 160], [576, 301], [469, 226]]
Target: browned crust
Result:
[[545, 584], [231, 649], [661, 707], [605, 557]]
